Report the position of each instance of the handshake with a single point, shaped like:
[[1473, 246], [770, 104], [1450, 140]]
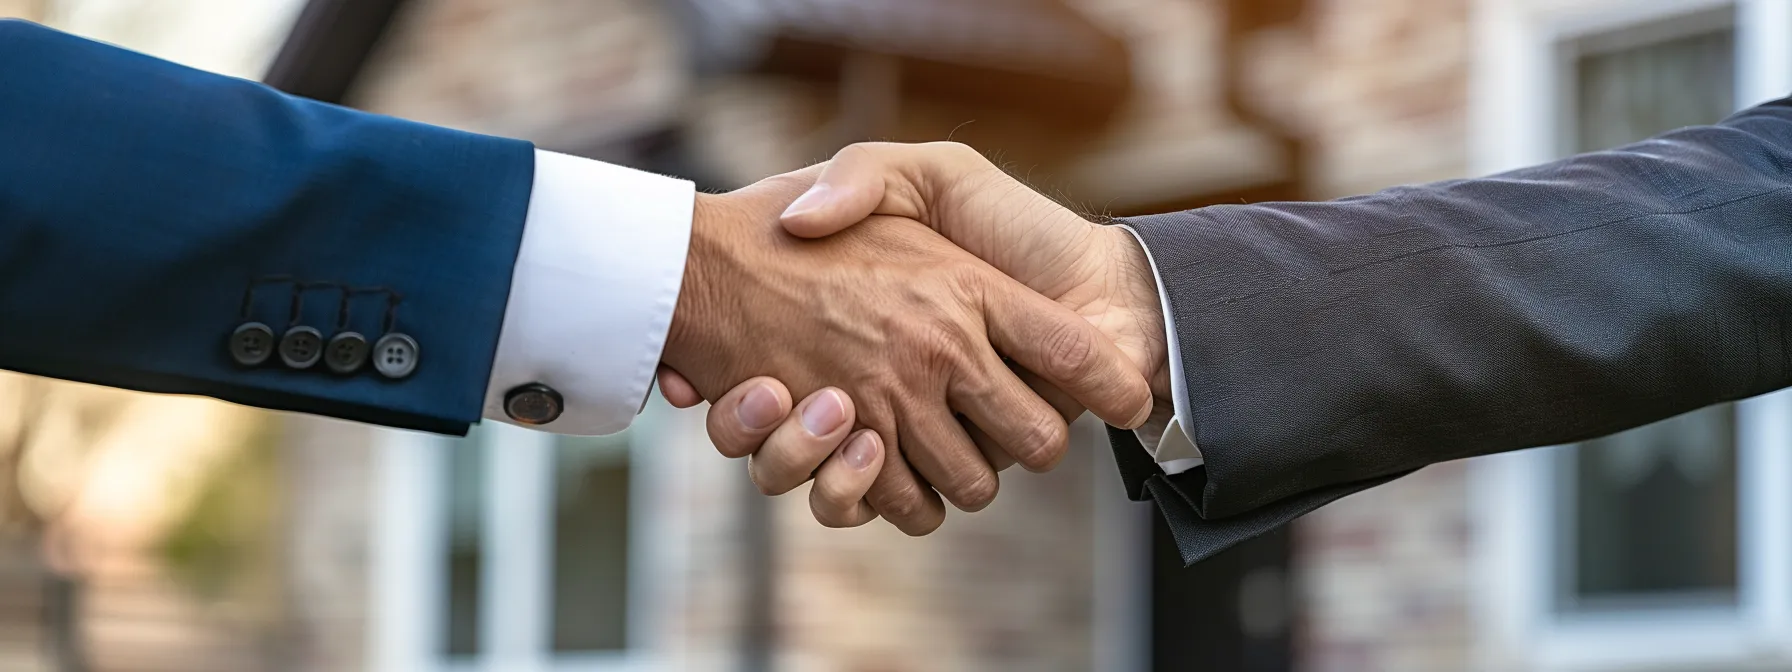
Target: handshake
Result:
[[939, 320]]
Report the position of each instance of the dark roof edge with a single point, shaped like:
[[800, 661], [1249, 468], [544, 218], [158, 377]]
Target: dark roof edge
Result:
[[328, 47]]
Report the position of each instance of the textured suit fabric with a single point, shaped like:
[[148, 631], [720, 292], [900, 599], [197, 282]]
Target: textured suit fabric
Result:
[[1331, 347], [138, 197]]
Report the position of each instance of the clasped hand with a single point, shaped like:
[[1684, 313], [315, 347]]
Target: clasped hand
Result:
[[919, 293]]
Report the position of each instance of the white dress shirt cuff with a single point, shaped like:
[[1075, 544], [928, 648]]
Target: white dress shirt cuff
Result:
[[1169, 444], [591, 299]]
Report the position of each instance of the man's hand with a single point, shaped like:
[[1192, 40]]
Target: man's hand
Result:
[[902, 321], [1099, 272]]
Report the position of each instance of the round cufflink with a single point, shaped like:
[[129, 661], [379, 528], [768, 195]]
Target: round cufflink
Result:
[[346, 353], [301, 347], [533, 404], [252, 344], [395, 356]]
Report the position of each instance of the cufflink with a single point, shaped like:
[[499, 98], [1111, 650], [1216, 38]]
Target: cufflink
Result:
[[346, 353], [395, 356], [301, 347], [251, 344], [533, 404]]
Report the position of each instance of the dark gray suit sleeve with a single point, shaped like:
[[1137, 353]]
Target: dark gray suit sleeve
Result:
[[1330, 347]]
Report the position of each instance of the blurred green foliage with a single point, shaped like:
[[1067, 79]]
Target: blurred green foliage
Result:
[[227, 541]]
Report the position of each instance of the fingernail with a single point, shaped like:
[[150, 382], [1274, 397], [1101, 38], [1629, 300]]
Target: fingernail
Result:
[[1144, 415], [812, 199], [860, 452], [759, 409], [824, 414]]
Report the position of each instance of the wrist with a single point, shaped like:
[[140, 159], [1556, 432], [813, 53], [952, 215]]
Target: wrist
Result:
[[1137, 289], [732, 261], [694, 315]]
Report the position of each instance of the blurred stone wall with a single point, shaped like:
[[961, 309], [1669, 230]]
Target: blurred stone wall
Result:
[[1389, 93], [328, 467], [1006, 588], [567, 75]]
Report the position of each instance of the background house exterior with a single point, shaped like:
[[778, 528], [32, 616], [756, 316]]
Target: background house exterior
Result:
[[1669, 547]]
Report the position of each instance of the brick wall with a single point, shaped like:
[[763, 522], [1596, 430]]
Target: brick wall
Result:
[[1006, 588], [328, 479], [1384, 579], [1390, 102], [566, 74]]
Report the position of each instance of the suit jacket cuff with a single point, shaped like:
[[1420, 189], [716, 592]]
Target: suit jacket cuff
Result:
[[1179, 499]]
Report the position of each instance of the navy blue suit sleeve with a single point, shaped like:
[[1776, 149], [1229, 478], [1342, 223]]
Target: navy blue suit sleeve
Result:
[[138, 198], [1334, 346]]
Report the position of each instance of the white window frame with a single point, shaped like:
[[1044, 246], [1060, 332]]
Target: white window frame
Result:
[[1121, 628], [1513, 114], [408, 582]]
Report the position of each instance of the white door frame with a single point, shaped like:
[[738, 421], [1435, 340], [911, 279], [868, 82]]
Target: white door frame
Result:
[[1512, 120]]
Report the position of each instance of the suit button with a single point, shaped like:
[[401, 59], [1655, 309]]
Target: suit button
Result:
[[395, 356], [251, 344], [533, 404], [346, 353], [301, 347]]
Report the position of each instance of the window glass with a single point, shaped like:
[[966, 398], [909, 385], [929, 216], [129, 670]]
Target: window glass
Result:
[[591, 543], [465, 497]]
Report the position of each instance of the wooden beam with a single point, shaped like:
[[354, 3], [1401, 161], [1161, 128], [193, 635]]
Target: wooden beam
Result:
[[328, 46], [870, 96]]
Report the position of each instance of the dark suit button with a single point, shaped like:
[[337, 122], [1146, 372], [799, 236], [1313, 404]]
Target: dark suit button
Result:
[[346, 353], [395, 356], [533, 404], [301, 347], [251, 344]]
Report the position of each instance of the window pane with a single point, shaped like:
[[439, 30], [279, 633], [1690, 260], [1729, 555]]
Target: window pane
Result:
[[1653, 509], [465, 497], [1655, 513], [591, 543], [1631, 94]]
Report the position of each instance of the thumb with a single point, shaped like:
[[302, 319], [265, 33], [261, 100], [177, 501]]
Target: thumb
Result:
[[882, 178], [952, 189], [846, 193]]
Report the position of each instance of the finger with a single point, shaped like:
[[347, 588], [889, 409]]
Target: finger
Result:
[[938, 448], [901, 498], [1068, 352], [993, 452], [676, 389], [878, 178], [1024, 426], [742, 418], [1066, 405], [799, 445], [838, 496]]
